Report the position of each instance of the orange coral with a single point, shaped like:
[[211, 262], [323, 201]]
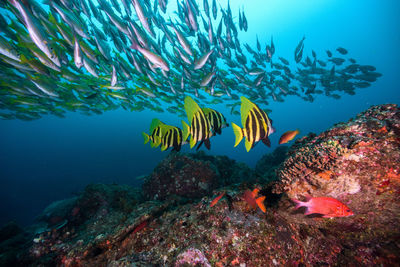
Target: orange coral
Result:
[[393, 174], [325, 175], [383, 130]]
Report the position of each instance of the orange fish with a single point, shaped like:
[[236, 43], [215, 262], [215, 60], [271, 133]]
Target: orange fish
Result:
[[327, 206], [251, 198], [215, 200], [288, 136]]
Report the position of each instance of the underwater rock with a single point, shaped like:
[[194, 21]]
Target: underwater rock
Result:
[[9, 230], [357, 159], [192, 257], [229, 171], [193, 175], [181, 175], [356, 162]]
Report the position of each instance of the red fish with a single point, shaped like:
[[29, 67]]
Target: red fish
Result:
[[288, 136], [251, 198], [215, 200], [327, 206], [140, 226]]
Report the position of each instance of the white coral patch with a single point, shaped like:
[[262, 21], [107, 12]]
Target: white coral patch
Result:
[[343, 184]]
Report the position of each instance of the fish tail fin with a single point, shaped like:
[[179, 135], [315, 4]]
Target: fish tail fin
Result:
[[134, 45], [185, 131], [260, 203], [238, 133], [298, 203], [146, 137]]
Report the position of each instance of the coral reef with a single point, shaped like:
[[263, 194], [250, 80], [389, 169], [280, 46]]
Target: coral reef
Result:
[[347, 158], [355, 162]]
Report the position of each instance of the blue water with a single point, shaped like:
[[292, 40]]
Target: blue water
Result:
[[54, 158]]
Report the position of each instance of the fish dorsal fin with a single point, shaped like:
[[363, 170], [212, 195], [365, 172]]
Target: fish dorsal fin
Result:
[[245, 108], [154, 124], [206, 110], [191, 108]]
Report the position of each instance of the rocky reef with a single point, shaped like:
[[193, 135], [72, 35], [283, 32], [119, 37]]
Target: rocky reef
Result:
[[169, 222], [193, 175]]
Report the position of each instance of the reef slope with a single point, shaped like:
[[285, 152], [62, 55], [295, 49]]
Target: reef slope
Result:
[[355, 162]]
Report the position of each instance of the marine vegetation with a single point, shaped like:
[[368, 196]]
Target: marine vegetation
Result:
[[94, 56]]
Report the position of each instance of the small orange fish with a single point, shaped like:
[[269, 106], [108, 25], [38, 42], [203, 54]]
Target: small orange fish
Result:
[[251, 198], [288, 136], [327, 206], [215, 200]]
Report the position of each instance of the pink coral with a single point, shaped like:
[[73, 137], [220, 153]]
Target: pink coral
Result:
[[192, 257]]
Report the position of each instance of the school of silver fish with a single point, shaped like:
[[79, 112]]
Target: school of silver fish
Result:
[[93, 56]]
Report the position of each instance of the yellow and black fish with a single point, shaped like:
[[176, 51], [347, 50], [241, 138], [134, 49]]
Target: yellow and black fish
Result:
[[156, 132], [200, 127], [216, 119], [257, 125], [172, 137]]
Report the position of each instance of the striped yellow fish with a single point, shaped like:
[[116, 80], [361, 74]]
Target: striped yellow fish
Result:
[[172, 137], [216, 119], [257, 125], [200, 127], [156, 132]]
